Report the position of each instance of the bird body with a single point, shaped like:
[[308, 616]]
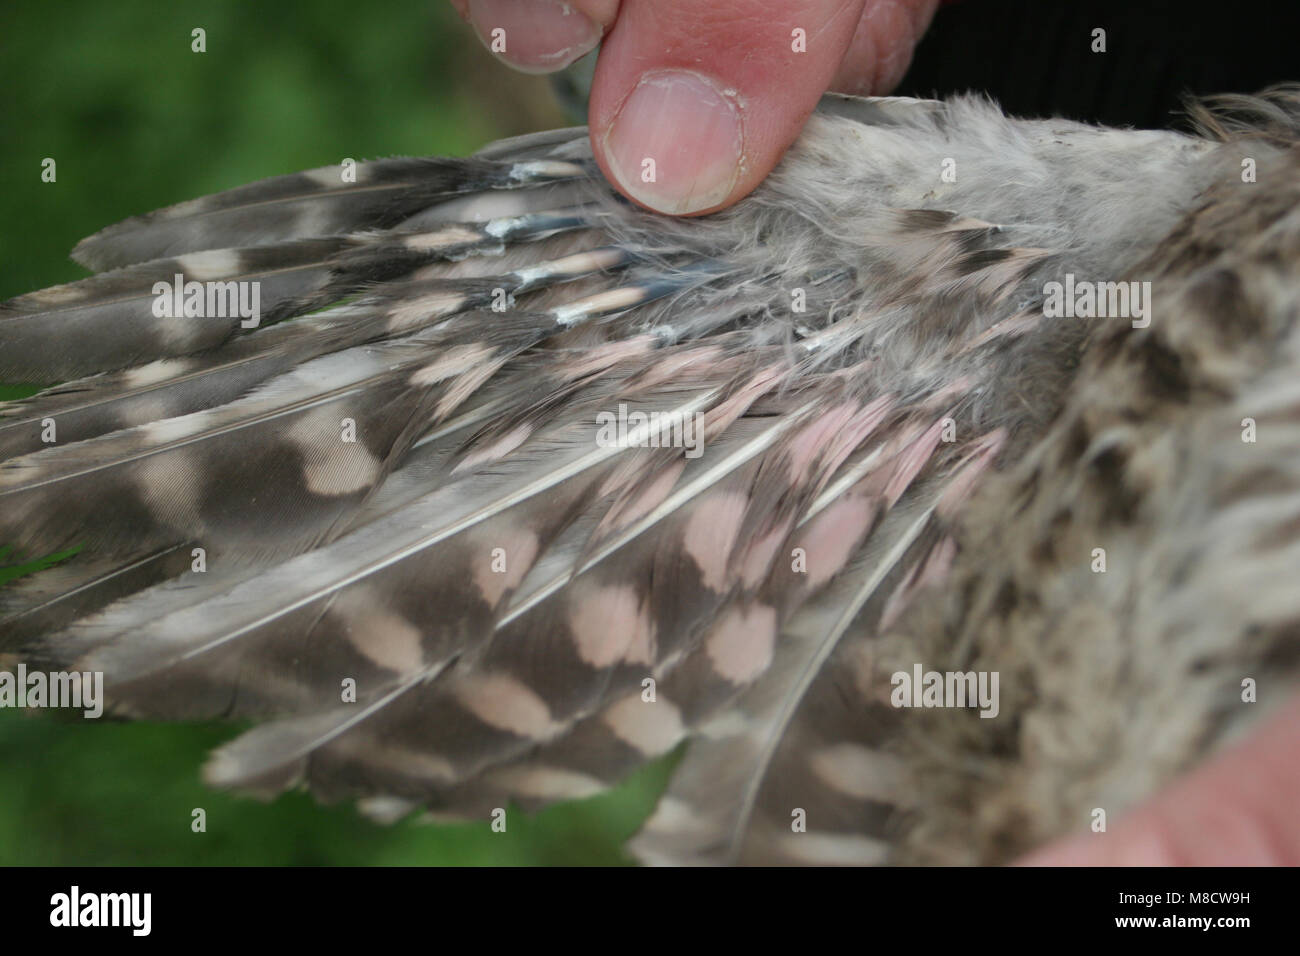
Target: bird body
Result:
[[505, 487]]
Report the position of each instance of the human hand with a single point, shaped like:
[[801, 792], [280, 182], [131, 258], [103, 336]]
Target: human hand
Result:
[[694, 101], [1238, 809]]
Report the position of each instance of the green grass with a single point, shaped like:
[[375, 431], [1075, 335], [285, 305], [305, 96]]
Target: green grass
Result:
[[93, 792], [134, 121]]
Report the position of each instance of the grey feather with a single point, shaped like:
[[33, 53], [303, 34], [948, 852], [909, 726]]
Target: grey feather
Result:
[[881, 394]]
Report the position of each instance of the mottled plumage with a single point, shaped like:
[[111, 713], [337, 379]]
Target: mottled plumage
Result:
[[397, 478]]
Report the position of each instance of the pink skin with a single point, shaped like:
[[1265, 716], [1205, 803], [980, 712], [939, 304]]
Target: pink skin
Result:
[[713, 92], [1240, 808]]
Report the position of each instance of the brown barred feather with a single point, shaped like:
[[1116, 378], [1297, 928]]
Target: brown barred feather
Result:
[[517, 487]]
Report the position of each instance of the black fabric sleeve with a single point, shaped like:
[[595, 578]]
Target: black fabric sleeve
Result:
[[1035, 57]]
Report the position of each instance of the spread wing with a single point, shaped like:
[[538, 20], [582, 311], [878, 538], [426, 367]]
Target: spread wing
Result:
[[508, 487]]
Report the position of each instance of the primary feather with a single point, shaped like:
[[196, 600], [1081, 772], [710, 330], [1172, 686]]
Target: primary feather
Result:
[[852, 441]]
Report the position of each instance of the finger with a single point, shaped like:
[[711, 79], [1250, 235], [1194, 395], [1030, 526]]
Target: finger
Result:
[[1237, 810], [881, 51], [538, 36], [694, 101]]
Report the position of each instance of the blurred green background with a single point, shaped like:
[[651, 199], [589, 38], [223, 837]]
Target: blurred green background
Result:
[[135, 120]]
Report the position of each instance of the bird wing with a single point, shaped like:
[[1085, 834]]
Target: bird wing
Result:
[[512, 487]]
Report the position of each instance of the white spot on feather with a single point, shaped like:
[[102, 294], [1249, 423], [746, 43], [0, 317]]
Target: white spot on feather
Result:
[[332, 176], [332, 466], [440, 239], [495, 451], [711, 533], [210, 264], [454, 361], [860, 772], [170, 485], [168, 430], [831, 537], [605, 622], [759, 556], [179, 333], [411, 763], [741, 643], [520, 549], [677, 817], [315, 219], [615, 300], [390, 641], [410, 313], [653, 728], [833, 849], [385, 809], [503, 702], [643, 648], [547, 783], [154, 372], [544, 169], [497, 228]]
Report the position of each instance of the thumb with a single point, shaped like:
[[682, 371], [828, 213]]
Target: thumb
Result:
[[694, 101], [1239, 809]]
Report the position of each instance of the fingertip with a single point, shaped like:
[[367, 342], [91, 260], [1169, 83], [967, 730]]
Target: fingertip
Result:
[[693, 106], [676, 144], [883, 43], [533, 36]]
